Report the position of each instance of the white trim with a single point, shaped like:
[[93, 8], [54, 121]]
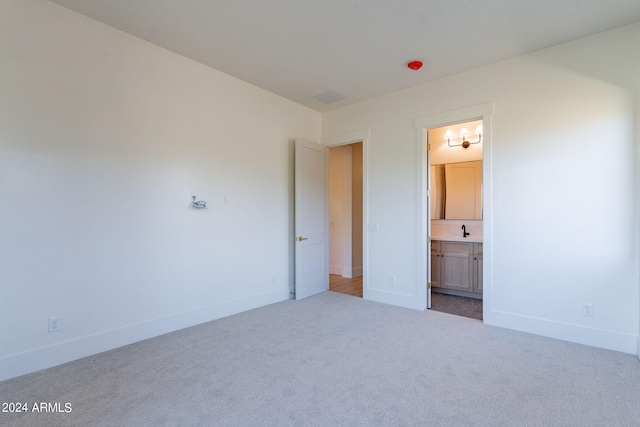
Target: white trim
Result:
[[26, 362], [422, 124], [348, 138], [351, 138], [335, 269], [455, 116], [423, 219], [347, 272], [610, 340]]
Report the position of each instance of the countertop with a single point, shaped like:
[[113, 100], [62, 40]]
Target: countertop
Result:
[[458, 239]]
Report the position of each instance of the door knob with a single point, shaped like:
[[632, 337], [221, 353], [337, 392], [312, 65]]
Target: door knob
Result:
[[300, 238]]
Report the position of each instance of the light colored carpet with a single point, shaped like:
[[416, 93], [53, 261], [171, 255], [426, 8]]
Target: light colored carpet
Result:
[[334, 359]]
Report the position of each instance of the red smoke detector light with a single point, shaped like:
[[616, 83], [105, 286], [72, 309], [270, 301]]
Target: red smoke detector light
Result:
[[415, 65]]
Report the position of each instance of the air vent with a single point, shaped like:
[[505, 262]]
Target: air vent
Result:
[[329, 97]]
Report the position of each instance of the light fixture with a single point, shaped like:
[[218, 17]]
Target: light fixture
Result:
[[464, 133]]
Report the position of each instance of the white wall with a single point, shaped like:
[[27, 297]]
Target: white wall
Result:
[[564, 215], [339, 210], [636, 180], [103, 138], [357, 203]]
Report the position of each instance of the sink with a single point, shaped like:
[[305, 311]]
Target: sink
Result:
[[458, 239]]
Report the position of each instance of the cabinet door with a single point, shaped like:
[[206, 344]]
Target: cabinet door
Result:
[[477, 274], [456, 272], [435, 269]]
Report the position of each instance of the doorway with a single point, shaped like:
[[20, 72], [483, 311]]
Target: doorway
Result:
[[346, 219], [455, 212], [468, 260]]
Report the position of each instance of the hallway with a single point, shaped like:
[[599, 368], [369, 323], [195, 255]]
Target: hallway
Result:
[[345, 285]]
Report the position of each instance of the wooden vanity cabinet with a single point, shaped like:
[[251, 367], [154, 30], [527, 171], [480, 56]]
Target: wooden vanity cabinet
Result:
[[477, 268], [456, 266], [456, 272], [435, 263]]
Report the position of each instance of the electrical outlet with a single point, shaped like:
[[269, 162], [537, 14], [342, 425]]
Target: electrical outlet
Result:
[[587, 309], [274, 280], [392, 280], [54, 324]]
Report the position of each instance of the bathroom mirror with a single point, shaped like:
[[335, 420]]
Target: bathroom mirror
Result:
[[456, 190]]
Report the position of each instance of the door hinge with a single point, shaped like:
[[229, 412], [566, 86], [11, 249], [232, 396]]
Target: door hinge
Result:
[[428, 239], [428, 285], [428, 147]]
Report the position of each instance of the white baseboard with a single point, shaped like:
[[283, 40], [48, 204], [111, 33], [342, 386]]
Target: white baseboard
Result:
[[46, 357], [395, 298], [345, 272], [610, 340]]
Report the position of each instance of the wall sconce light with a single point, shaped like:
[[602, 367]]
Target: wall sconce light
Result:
[[464, 133]]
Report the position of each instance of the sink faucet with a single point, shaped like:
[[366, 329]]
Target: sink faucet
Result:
[[464, 231]]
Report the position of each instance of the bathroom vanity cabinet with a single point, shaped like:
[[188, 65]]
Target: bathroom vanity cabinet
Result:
[[477, 268], [457, 266]]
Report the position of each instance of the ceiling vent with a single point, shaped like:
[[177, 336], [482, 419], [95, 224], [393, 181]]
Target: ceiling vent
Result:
[[329, 97]]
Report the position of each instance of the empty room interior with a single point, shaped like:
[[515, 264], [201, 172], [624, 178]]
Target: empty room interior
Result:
[[471, 170]]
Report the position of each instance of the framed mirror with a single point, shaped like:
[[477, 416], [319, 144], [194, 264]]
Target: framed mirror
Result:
[[456, 190]]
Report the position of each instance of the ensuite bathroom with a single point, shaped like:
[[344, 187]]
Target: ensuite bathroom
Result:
[[455, 218]]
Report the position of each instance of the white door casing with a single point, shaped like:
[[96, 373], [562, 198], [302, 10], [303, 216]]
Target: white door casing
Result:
[[311, 219]]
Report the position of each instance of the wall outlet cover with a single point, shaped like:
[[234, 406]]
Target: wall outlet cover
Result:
[[54, 324]]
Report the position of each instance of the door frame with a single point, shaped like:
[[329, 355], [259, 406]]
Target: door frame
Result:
[[422, 125], [352, 138]]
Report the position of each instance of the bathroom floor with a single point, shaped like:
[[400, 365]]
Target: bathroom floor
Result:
[[460, 306]]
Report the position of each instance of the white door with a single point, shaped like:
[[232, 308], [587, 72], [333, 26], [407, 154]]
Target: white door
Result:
[[311, 219], [428, 218]]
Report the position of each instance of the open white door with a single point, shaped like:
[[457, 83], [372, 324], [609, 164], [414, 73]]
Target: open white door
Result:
[[311, 219], [428, 219]]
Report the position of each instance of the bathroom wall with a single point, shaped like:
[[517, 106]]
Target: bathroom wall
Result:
[[441, 152], [452, 229]]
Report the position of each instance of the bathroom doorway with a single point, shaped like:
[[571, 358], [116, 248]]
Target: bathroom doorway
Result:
[[455, 217], [346, 218], [423, 125]]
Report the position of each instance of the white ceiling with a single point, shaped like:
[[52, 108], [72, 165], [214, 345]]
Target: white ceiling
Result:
[[357, 48]]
